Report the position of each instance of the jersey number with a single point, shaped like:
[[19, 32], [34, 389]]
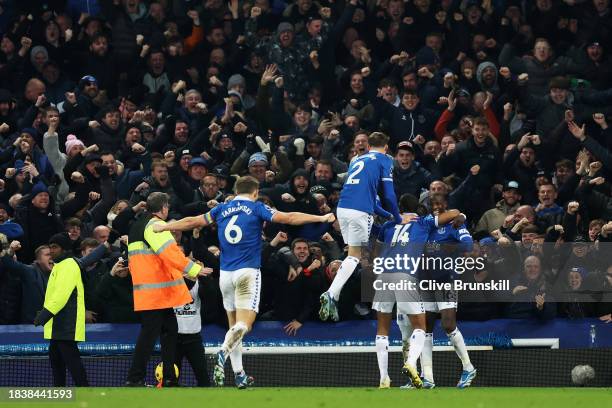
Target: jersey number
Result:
[[401, 234], [233, 233], [358, 168]]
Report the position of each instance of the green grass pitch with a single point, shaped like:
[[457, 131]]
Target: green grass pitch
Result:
[[333, 398]]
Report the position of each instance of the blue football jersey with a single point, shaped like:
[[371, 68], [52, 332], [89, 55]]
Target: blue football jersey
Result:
[[447, 233], [447, 241], [406, 239], [240, 224], [366, 174]]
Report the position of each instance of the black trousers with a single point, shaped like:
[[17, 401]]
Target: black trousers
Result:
[[155, 324], [65, 354], [190, 346]]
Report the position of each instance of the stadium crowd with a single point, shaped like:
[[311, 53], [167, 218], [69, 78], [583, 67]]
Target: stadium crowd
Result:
[[502, 106]]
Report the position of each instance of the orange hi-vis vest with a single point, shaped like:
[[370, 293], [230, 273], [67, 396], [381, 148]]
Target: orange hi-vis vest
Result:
[[157, 266]]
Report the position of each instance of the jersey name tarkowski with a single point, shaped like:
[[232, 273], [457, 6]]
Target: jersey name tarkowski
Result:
[[240, 224]]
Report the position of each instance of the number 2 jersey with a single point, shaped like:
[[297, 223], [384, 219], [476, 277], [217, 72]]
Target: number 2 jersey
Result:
[[367, 174], [240, 224]]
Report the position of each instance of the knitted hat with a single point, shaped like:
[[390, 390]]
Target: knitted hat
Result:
[[38, 49], [234, 80], [258, 157], [30, 131], [284, 26], [38, 188], [5, 96], [559, 83], [62, 240], [73, 141]]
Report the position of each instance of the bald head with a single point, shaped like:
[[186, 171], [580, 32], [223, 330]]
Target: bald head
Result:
[[526, 211], [33, 89], [101, 233]]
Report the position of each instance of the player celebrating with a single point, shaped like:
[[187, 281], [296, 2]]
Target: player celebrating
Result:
[[443, 301], [366, 175], [399, 239], [240, 223]]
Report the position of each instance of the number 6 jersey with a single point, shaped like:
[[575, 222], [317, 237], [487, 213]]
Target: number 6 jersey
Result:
[[240, 224]]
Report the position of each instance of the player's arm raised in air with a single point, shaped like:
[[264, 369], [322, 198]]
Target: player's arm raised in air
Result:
[[184, 224], [298, 218]]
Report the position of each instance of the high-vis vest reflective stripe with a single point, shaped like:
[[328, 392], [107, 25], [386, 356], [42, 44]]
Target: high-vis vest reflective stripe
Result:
[[157, 266]]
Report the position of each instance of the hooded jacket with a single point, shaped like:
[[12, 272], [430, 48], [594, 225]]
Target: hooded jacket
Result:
[[494, 89]]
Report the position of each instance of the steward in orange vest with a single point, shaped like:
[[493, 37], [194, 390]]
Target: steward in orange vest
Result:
[[157, 266]]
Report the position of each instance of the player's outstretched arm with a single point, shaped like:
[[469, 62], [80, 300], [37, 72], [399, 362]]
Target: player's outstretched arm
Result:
[[184, 224], [390, 201], [298, 218], [448, 217]]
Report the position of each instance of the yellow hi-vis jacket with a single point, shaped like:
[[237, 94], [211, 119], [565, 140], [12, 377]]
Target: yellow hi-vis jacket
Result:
[[157, 266], [65, 299]]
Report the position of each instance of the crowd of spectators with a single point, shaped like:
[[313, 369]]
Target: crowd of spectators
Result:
[[502, 106]]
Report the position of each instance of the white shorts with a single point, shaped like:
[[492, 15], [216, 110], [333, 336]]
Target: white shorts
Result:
[[408, 301], [437, 300], [405, 308], [355, 226], [241, 289]]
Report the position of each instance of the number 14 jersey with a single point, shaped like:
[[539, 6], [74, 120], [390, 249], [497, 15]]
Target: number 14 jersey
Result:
[[366, 174], [240, 224]]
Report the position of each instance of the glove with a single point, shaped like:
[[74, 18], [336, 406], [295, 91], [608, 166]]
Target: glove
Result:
[[103, 171], [42, 317], [251, 144], [265, 147], [299, 144]]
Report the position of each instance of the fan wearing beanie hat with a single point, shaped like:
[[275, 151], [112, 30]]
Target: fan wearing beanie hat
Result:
[[74, 146], [59, 243]]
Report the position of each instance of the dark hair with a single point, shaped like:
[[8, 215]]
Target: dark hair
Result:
[[548, 184], [438, 198], [529, 229], [408, 203], [326, 162], [480, 121], [73, 222], [157, 201], [564, 163], [303, 107], [50, 109], [385, 82], [297, 241], [246, 185], [89, 243], [97, 36]]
